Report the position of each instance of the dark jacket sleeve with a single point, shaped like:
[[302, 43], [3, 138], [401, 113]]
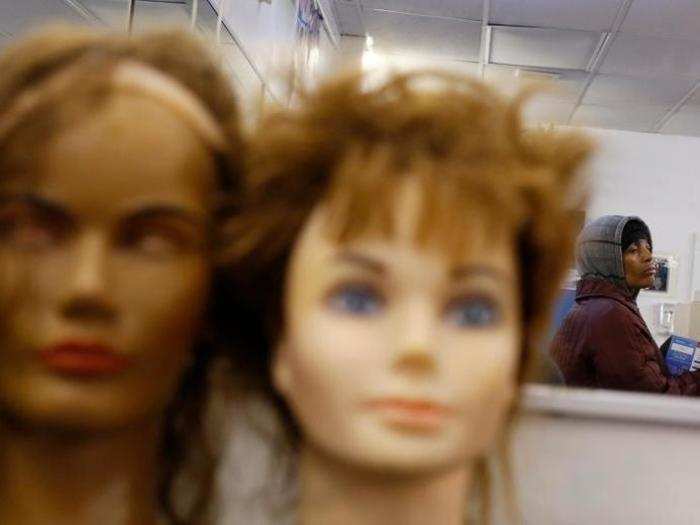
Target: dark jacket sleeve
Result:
[[626, 357]]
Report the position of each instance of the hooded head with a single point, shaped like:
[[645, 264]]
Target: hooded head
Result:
[[601, 246]]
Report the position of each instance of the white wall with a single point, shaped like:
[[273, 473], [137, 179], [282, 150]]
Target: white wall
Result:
[[592, 471], [264, 31], [655, 177], [580, 464]]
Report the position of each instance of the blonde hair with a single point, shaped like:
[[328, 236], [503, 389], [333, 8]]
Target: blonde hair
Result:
[[350, 146]]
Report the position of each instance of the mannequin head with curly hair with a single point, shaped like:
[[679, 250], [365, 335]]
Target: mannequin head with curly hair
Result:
[[399, 247]]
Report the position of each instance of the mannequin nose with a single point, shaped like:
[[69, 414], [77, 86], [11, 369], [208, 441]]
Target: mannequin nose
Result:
[[86, 296], [415, 329]]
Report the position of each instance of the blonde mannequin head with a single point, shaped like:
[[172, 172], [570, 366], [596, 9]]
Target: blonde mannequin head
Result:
[[400, 246]]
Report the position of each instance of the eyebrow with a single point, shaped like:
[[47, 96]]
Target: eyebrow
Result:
[[466, 271], [364, 261], [144, 213], [36, 201], [457, 273]]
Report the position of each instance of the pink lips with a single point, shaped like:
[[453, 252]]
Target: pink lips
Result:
[[412, 414], [82, 358]]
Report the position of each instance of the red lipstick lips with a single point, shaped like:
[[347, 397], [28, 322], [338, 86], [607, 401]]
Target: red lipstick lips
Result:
[[86, 359]]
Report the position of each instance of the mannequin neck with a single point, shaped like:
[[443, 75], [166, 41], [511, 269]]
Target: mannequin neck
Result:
[[78, 478], [334, 492]]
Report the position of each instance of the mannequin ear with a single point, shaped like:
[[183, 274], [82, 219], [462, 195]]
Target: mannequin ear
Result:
[[281, 372]]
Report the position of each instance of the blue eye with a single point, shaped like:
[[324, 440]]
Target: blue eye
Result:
[[356, 300], [473, 312]]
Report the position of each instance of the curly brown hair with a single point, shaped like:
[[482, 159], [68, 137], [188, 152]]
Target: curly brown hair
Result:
[[28, 65], [350, 146]]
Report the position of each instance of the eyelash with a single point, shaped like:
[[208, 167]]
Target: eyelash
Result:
[[344, 298], [490, 315], [365, 300], [17, 225], [28, 229], [634, 249], [174, 239]]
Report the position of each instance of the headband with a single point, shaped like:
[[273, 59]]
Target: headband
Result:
[[134, 77]]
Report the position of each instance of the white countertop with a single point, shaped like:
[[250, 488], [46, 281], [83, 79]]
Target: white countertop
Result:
[[610, 404]]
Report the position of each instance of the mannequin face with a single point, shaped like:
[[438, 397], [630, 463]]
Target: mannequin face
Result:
[[395, 356], [104, 266], [639, 265]]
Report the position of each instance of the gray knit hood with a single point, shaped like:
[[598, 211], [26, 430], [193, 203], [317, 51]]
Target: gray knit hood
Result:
[[599, 249]]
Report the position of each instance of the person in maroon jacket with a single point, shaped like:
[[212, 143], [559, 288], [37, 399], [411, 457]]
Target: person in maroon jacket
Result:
[[604, 341]]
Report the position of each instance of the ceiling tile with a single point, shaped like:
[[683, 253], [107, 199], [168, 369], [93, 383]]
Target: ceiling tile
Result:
[[561, 86], [18, 16], [641, 119], [410, 63], [207, 19], [630, 91], [647, 56], [147, 13], [685, 122], [349, 18], [111, 12], [664, 18], [471, 9], [548, 48], [447, 39], [589, 15], [694, 101], [547, 112]]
